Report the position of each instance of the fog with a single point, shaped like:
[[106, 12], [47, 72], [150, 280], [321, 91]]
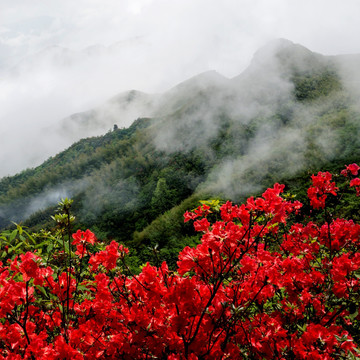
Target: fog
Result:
[[65, 57], [263, 96], [50, 196]]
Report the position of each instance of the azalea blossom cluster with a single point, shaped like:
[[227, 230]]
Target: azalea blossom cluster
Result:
[[353, 170], [260, 285]]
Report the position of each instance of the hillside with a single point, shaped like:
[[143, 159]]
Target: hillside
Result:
[[292, 111]]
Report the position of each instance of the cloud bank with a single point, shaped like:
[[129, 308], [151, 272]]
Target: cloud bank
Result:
[[63, 57]]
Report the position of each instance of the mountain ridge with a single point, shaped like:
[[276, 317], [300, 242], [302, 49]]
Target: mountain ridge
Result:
[[254, 81], [208, 137]]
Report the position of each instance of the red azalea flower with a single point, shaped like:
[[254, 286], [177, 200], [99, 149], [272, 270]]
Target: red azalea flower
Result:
[[352, 169], [321, 187], [84, 237]]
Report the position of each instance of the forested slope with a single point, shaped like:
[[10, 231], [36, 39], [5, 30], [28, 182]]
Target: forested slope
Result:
[[288, 114]]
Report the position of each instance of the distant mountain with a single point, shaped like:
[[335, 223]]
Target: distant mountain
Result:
[[270, 79], [123, 108], [130, 105], [291, 111]]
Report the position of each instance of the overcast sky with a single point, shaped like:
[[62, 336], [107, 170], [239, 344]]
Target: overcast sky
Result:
[[149, 45]]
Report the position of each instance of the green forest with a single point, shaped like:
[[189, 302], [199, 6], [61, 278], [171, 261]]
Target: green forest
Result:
[[134, 184]]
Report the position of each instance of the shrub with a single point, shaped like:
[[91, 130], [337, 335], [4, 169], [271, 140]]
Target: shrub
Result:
[[265, 282]]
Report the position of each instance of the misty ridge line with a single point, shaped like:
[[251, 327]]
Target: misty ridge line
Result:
[[192, 114], [263, 91], [122, 109]]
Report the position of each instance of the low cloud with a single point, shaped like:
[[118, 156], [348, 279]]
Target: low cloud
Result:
[[286, 135], [51, 67], [18, 211]]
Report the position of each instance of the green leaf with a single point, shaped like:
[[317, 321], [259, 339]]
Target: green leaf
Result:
[[22, 238], [83, 288], [351, 356], [19, 228], [41, 245], [302, 328], [354, 315], [13, 235], [14, 248], [42, 289], [49, 247], [30, 237]]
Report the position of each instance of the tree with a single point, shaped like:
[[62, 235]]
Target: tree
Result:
[[162, 198]]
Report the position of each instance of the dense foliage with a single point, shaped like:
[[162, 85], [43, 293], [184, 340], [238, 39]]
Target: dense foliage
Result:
[[267, 281]]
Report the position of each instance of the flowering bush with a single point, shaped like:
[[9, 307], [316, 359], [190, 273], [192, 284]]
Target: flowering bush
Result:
[[260, 285]]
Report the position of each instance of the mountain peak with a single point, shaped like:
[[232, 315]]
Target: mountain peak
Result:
[[283, 57], [283, 50], [202, 81], [273, 47]]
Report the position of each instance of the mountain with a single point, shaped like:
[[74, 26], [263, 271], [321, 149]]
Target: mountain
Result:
[[130, 105], [125, 107], [290, 112]]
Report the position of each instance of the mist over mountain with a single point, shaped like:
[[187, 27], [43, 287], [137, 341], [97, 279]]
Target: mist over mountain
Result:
[[290, 111], [47, 86], [123, 108]]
